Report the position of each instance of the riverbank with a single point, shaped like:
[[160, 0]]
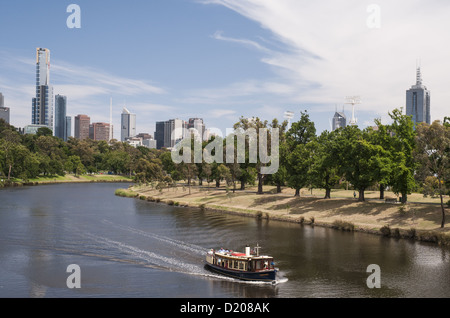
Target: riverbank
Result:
[[419, 219], [68, 178]]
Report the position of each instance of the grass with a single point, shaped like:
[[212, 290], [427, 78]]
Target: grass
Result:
[[419, 219], [68, 178]]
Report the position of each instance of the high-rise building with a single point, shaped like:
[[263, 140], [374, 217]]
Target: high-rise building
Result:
[[197, 124], [339, 120], [68, 128], [42, 105], [4, 111], [418, 101], [159, 134], [169, 133], [82, 123], [60, 116], [99, 131], [128, 121]]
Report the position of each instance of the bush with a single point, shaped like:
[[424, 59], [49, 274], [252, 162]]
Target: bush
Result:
[[170, 202], [343, 226], [385, 230]]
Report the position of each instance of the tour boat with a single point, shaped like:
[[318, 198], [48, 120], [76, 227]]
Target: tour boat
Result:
[[245, 266]]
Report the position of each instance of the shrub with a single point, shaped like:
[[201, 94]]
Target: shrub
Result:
[[343, 225], [170, 202], [385, 230], [312, 219]]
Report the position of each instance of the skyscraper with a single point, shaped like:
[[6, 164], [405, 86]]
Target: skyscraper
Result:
[[60, 116], [418, 101], [4, 111], [128, 121], [197, 123], [339, 120], [42, 105], [68, 130], [169, 133], [82, 123]]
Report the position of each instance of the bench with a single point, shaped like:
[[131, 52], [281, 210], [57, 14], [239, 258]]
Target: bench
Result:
[[389, 200]]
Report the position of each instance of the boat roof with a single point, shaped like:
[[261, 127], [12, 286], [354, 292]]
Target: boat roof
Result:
[[239, 255]]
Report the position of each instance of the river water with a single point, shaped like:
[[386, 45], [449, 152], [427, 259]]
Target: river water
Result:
[[133, 248]]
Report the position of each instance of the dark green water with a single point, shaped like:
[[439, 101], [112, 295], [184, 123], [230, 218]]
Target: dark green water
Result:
[[133, 248]]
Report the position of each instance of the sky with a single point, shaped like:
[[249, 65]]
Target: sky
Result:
[[223, 59]]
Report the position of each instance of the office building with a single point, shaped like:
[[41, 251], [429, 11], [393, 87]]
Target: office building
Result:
[[339, 121], [4, 111], [68, 128], [42, 103], [60, 116], [198, 125], [99, 131], [128, 127], [82, 123], [169, 133], [418, 101]]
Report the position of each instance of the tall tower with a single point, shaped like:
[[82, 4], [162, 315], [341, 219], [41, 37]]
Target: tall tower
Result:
[[42, 104], [353, 100], [128, 127], [418, 101], [60, 117]]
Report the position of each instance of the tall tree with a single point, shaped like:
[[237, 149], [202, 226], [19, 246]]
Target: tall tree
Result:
[[298, 154], [324, 170], [433, 153], [401, 151]]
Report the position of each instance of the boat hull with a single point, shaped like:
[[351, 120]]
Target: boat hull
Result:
[[264, 276]]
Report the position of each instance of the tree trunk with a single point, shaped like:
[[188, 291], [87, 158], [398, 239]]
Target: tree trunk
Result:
[[443, 211], [217, 183], [9, 172], [361, 195], [242, 185], [381, 191], [327, 193], [278, 188], [442, 203], [260, 183], [297, 192], [404, 197]]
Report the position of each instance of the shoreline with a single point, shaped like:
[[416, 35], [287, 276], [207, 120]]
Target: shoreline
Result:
[[67, 179], [419, 221]]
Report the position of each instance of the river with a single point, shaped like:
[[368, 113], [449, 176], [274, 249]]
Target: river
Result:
[[134, 248]]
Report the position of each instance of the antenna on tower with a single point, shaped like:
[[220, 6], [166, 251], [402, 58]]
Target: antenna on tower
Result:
[[353, 100]]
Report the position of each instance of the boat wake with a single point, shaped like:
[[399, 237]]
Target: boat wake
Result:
[[158, 252]]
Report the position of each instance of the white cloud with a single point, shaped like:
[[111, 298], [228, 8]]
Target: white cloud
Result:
[[333, 53]]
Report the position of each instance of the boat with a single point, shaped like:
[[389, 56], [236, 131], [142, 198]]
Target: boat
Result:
[[249, 265]]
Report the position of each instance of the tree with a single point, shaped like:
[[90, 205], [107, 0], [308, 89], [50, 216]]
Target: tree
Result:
[[253, 129], [324, 170], [298, 153], [9, 145], [433, 153], [401, 151], [359, 160]]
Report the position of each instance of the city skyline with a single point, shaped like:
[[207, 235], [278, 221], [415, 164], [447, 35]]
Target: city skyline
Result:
[[220, 60]]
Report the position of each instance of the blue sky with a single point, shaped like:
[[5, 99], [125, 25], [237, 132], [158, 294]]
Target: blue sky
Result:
[[222, 59]]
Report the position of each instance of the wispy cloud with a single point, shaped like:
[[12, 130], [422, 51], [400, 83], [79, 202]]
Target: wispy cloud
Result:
[[249, 43], [332, 52]]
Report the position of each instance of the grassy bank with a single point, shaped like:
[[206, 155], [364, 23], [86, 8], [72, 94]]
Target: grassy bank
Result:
[[419, 219], [68, 178]]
